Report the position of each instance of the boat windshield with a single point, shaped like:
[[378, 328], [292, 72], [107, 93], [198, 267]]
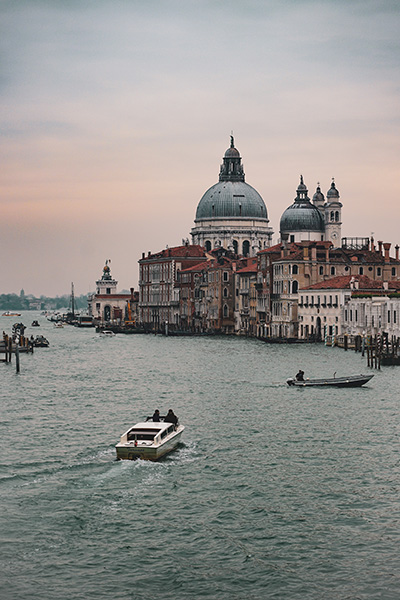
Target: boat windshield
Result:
[[137, 434]]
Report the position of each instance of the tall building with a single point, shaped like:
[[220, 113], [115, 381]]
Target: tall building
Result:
[[232, 214]]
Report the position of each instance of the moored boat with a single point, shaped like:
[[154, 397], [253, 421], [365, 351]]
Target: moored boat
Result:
[[350, 381], [149, 440]]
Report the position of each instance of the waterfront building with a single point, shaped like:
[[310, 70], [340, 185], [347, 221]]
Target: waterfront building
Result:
[[107, 306], [373, 312], [321, 306], [232, 214], [304, 264], [246, 298], [159, 281], [318, 220]]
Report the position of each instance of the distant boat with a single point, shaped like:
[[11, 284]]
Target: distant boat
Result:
[[35, 324], [351, 381], [107, 333], [40, 342], [58, 325], [8, 313]]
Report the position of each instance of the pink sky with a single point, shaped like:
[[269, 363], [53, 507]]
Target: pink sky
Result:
[[115, 117]]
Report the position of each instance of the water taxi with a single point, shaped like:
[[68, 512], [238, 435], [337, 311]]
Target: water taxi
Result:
[[350, 381], [149, 440], [8, 313], [107, 333]]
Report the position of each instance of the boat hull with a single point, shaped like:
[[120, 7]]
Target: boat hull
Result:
[[129, 451], [353, 381]]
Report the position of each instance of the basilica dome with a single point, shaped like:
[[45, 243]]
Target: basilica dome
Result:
[[302, 215], [231, 197], [232, 214], [227, 199]]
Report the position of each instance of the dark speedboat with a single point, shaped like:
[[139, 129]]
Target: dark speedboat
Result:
[[351, 381], [40, 342]]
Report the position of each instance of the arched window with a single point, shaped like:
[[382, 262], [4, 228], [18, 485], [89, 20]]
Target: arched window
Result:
[[337, 215], [225, 292], [295, 287], [226, 310], [208, 245], [246, 248], [235, 246], [361, 270], [295, 269], [332, 215]]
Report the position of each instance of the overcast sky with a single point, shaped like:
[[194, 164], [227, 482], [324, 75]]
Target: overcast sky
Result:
[[115, 115]]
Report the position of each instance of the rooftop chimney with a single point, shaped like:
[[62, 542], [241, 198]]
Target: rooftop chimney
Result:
[[380, 247], [397, 251], [387, 249], [142, 255]]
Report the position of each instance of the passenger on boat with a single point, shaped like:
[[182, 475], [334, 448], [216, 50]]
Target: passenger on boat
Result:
[[156, 416], [300, 375], [171, 417]]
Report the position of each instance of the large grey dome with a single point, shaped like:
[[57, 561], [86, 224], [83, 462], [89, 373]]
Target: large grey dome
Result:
[[228, 199], [231, 197], [302, 215]]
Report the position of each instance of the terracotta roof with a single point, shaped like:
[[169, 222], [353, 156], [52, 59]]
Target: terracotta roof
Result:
[[198, 267], [186, 251], [248, 269], [342, 282]]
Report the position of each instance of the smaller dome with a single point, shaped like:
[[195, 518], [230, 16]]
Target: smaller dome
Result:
[[302, 215], [302, 187], [232, 153], [318, 196], [333, 192]]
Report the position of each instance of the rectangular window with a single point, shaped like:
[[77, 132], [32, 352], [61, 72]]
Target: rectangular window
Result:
[[321, 270], [388, 316], [394, 316]]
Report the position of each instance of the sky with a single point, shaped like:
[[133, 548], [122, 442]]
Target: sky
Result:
[[115, 116]]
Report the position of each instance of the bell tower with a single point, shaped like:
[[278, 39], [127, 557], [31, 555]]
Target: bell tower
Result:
[[333, 216]]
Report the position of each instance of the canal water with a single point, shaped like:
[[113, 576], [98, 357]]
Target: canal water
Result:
[[275, 492]]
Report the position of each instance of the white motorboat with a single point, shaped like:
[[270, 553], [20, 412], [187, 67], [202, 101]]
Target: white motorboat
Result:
[[58, 325], [107, 333], [149, 440]]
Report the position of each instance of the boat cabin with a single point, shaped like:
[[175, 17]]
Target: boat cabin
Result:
[[147, 432]]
